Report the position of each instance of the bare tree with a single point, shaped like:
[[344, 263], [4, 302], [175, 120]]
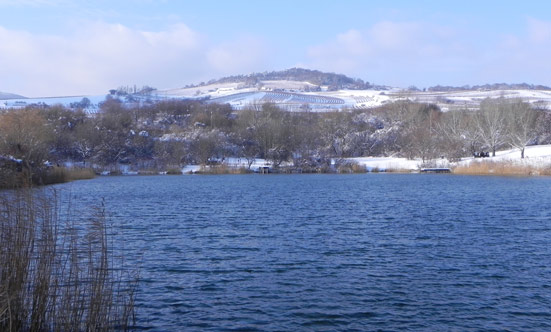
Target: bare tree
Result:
[[521, 121], [25, 135], [457, 134], [419, 123], [246, 127], [491, 125]]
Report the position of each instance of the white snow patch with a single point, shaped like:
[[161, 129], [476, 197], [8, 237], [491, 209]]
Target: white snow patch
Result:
[[535, 156], [190, 169], [388, 163]]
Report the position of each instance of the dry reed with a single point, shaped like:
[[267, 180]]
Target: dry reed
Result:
[[222, 169], [503, 168], [56, 275]]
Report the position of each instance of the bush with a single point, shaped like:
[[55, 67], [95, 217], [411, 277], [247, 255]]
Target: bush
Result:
[[350, 167], [174, 171], [55, 276]]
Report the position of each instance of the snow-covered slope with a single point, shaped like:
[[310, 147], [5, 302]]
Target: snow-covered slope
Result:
[[293, 95], [296, 95], [65, 101], [451, 100], [6, 96]]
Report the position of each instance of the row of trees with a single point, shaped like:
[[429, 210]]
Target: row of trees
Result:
[[499, 123], [175, 133]]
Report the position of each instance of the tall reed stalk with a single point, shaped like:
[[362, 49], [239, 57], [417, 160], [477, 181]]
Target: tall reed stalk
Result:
[[57, 274]]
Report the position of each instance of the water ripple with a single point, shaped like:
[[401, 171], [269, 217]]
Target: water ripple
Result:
[[334, 253]]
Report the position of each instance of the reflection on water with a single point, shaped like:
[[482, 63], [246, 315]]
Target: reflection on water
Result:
[[333, 252]]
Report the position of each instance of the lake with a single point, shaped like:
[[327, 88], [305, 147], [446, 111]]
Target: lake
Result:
[[388, 252]]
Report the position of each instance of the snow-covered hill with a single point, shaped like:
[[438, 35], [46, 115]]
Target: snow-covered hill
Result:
[[291, 90], [6, 96], [451, 100], [293, 95], [65, 101]]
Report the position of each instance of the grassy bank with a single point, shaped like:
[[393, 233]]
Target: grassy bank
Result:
[[62, 175], [12, 178], [503, 168], [222, 169], [55, 274]]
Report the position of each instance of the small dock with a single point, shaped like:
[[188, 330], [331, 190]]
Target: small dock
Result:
[[264, 170], [436, 170]]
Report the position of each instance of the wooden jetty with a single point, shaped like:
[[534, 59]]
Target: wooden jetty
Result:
[[436, 170]]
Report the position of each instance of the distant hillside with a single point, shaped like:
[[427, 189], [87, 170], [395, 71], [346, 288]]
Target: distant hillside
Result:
[[331, 80], [5, 95], [489, 87]]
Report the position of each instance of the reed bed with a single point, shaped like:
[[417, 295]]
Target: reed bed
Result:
[[222, 169], [174, 171], [57, 274], [62, 175], [503, 168]]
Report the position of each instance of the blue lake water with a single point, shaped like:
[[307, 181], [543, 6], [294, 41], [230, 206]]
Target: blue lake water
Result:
[[367, 252]]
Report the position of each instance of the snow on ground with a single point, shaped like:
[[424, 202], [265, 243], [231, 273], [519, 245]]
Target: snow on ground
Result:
[[538, 156], [361, 98], [242, 162], [291, 95], [240, 96], [287, 85], [190, 169], [213, 90], [232, 162], [450, 100], [388, 163], [535, 155], [65, 101]]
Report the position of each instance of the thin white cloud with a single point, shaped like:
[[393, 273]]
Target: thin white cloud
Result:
[[539, 32], [99, 56], [525, 56], [31, 3], [238, 57], [404, 53]]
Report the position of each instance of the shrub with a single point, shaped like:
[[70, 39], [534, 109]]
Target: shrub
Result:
[[174, 171], [350, 167]]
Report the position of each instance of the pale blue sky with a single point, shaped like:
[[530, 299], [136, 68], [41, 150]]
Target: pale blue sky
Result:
[[61, 47]]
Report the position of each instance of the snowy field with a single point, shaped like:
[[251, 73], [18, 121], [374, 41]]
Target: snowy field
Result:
[[537, 156], [293, 95], [388, 163], [239, 96], [65, 101], [471, 99]]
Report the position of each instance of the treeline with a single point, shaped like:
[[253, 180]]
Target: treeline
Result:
[[486, 87], [175, 133], [316, 77]]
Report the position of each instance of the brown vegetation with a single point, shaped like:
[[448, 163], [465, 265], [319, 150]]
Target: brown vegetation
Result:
[[504, 168], [62, 175], [174, 171], [56, 275], [222, 169], [171, 134]]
